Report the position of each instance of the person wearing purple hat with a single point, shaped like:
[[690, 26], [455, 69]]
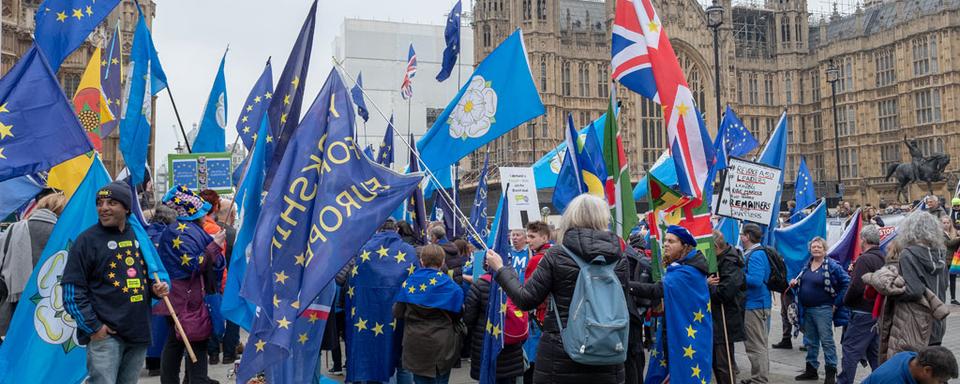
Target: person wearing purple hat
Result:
[[188, 253]]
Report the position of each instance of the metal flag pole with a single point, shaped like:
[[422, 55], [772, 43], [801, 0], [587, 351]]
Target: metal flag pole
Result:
[[176, 112]]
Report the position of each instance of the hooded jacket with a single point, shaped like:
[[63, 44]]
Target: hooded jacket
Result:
[[556, 277], [731, 293], [925, 268]]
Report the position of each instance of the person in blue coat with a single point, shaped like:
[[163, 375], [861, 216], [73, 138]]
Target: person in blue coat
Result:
[[933, 365], [820, 288], [756, 323]]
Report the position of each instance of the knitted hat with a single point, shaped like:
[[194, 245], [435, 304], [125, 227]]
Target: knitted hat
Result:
[[683, 234], [188, 204], [118, 191], [955, 201]]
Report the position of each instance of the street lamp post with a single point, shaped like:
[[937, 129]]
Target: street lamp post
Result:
[[714, 20], [533, 142], [833, 75]]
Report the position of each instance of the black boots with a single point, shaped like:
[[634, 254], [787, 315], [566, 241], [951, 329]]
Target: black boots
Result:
[[831, 375], [810, 374], [783, 344]]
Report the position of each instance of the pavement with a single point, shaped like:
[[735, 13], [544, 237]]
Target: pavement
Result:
[[784, 364]]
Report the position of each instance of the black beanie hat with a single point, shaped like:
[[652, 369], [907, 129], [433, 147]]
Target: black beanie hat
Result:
[[118, 191]]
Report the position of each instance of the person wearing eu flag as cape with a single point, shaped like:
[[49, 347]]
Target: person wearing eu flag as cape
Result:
[[683, 342]]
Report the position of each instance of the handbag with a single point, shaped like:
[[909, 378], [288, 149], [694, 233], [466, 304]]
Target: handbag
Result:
[[187, 298]]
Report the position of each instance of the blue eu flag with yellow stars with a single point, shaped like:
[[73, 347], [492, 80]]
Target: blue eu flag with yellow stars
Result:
[[804, 193], [497, 303], [146, 78], [255, 107], [38, 127], [478, 214], [431, 288], [385, 154], [683, 345], [307, 229], [417, 206], [62, 25], [373, 334], [110, 75]]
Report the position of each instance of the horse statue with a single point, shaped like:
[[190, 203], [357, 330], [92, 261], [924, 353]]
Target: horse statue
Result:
[[927, 169]]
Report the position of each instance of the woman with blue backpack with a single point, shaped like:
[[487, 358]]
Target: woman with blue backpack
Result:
[[587, 251]]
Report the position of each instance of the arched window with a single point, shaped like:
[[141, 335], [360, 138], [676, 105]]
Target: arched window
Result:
[[798, 24], [541, 9], [543, 74], [695, 78], [565, 75], [486, 35], [527, 10], [784, 30]]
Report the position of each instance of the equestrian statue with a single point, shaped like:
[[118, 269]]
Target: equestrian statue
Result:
[[928, 169]]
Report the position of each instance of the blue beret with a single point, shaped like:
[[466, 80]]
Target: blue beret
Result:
[[683, 234]]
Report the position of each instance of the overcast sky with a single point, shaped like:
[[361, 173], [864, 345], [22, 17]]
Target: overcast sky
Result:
[[192, 35]]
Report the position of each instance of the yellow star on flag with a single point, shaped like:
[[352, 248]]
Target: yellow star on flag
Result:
[[411, 268], [295, 82], [433, 281], [3, 108], [365, 256], [283, 323], [709, 306], [404, 285], [350, 291], [269, 139], [496, 331], [688, 351], [268, 95], [185, 260], [2, 156], [302, 338], [382, 252], [5, 131], [393, 324], [111, 275], [313, 318], [423, 287], [361, 324], [276, 301], [244, 120], [354, 271], [176, 242], [295, 304], [256, 99], [653, 26], [696, 371], [377, 329], [299, 259], [286, 100], [281, 277], [78, 14], [260, 344], [89, 11], [691, 333], [246, 129], [411, 289], [114, 61], [663, 363], [682, 109], [401, 256], [698, 316], [181, 227], [61, 16], [283, 118], [116, 283], [249, 108]]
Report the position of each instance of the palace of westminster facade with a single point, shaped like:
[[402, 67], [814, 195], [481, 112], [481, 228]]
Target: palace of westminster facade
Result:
[[897, 79]]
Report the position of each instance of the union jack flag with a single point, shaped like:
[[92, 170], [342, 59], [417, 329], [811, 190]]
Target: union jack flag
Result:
[[406, 89], [640, 42]]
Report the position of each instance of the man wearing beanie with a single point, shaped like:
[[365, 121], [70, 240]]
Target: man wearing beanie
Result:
[[105, 289]]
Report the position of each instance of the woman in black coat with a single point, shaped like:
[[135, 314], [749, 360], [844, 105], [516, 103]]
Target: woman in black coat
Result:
[[510, 361], [583, 230]]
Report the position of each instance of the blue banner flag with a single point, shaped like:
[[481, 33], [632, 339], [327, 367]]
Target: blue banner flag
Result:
[[38, 127], [385, 154], [17, 192], [792, 241], [594, 169], [236, 308], [368, 152], [451, 34], [357, 93], [664, 169], [255, 107], [284, 110], [110, 77], [41, 344], [146, 78], [546, 169], [570, 183], [63, 25], [212, 135], [687, 328], [417, 206], [478, 214], [373, 334], [431, 288], [847, 249], [475, 117], [308, 229], [804, 194], [496, 303], [774, 154]]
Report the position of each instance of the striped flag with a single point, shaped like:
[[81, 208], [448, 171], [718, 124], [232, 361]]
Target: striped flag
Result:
[[406, 88], [689, 141], [622, 206]]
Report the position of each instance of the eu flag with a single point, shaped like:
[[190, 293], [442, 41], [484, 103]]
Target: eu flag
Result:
[[570, 183], [417, 206], [284, 110], [38, 127], [478, 214], [385, 154], [255, 107], [373, 334], [546, 169], [847, 248], [62, 25], [774, 154], [17, 192], [791, 241], [308, 229], [452, 36], [475, 116], [496, 304], [357, 93], [733, 139], [146, 78], [685, 337], [212, 135], [804, 193], [368, 151], [110, 75]]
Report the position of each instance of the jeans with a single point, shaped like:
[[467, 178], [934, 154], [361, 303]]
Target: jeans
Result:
[[859, 341], [818, 331], [757, 328], [173, 354], [404, 376], [442, 378], [113, 361]]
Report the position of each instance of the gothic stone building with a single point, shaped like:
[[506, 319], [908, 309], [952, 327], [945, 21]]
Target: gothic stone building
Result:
[[898, 78], [17, 37]]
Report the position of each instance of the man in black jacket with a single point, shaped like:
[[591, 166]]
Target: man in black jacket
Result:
[[729, 289], [639, 269], [860, 340]]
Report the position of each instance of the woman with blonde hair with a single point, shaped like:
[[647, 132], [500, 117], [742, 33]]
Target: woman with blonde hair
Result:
[[583, 234]]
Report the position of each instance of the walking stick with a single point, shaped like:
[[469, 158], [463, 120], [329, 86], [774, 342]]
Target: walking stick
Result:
[[176, 323]]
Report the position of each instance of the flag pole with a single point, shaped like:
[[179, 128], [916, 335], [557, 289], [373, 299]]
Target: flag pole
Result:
[[176, 112], [176, 323]]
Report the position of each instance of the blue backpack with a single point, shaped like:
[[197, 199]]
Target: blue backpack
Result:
[[598, 321]]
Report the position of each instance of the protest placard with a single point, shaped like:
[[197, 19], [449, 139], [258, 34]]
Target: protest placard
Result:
[[749, 191]]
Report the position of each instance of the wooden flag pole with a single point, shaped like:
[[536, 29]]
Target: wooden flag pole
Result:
[[176, 323]]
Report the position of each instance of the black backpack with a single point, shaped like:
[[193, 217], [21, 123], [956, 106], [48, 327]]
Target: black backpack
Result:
[[777, 281]]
